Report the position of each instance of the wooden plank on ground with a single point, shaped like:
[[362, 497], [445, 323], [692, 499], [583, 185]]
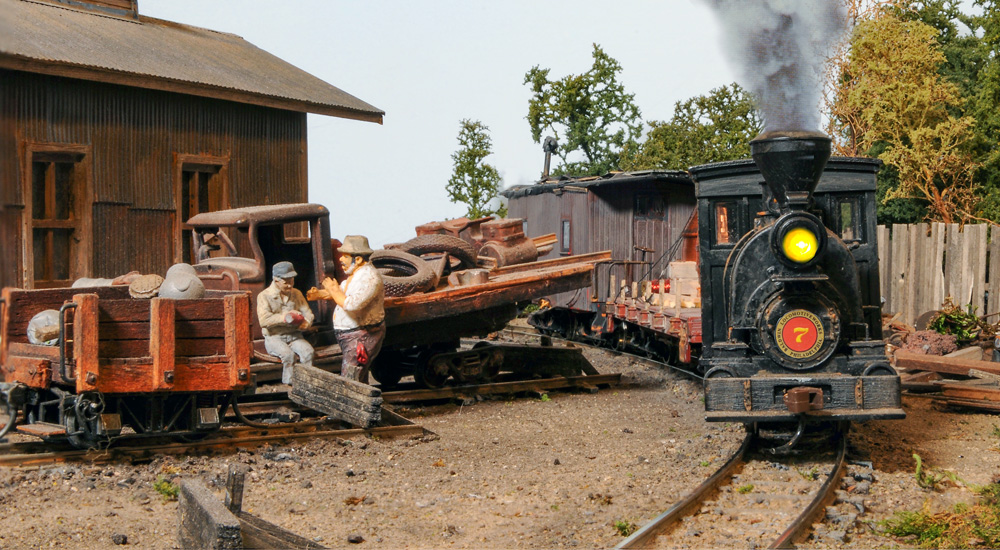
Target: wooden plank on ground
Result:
[[965, 392], [336, 396], [944, 365], [205, 522]]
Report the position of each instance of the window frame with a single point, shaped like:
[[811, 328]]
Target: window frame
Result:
[[80, 221], [216, 165]]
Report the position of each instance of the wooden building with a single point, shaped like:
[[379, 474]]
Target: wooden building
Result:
[[638, 216], [115, 128]]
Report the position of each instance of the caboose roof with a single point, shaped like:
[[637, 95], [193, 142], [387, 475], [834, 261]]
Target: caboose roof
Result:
[[134, 50], [567, 183]]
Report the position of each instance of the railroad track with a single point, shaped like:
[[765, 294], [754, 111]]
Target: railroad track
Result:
[[752, 499], [137, 448], [644, 358]]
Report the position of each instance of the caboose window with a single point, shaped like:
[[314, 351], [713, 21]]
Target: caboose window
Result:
[[848, 223], [566, 237], [726, 231]]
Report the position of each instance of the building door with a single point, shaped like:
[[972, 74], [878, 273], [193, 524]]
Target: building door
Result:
[[57, 215], [202, 186]]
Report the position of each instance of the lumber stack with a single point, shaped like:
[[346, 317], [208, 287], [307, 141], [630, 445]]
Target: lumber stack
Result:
[[952, 379]]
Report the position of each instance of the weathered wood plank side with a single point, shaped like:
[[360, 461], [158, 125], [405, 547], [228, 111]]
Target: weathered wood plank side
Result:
[[934, 276], [897, 278], [204, 520], [86, 340], [239, 343], [161, 343], [993, 278], [885, 265]]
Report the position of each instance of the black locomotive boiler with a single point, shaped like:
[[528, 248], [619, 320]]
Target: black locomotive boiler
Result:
[[791, 326]]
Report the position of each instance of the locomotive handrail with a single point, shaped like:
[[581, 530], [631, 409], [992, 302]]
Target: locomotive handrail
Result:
[[62, 341]]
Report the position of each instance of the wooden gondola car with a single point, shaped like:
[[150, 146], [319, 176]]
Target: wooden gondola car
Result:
[[154, 366]]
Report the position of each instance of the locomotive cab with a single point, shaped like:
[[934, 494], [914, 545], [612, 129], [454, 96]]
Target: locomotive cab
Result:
[[792, 325]]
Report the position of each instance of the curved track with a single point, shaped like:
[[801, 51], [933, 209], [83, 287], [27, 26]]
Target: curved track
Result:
[[749, 499]]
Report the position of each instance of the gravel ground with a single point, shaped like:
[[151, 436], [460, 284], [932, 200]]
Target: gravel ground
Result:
[[563, 470]]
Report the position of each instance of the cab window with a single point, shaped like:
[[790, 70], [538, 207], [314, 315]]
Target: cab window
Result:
[[725, 220]]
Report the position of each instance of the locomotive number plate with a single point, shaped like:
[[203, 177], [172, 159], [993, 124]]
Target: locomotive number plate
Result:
[[799, 334]]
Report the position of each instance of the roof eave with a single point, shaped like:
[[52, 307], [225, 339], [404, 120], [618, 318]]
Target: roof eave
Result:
[[97, 74]]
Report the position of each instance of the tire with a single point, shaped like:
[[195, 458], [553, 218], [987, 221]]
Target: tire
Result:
[[431, 244], [417, 275]]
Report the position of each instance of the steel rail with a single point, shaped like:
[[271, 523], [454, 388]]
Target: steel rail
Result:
[[645, 536], [647, 533], [823, 498], [26, 454], [686, 372]]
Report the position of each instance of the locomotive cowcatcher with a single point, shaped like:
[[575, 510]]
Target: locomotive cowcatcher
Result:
[[791, 316]]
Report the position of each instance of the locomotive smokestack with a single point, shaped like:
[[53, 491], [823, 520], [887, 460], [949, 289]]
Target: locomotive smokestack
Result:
[[791, 164]]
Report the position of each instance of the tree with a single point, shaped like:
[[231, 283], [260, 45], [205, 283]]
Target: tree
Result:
[[473, 182], [892, 99], [589, 114], [705, 128]]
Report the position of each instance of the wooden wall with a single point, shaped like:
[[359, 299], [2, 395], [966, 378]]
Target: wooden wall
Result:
[[922, 264], [133, 135]]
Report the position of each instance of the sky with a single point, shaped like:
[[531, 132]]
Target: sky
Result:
[[432, 63]]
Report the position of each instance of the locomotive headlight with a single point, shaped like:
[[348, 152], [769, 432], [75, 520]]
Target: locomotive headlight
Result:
[[800, 245]]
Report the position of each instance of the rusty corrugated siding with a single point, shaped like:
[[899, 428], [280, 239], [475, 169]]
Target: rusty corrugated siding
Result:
[[133, 135], [152, 53]]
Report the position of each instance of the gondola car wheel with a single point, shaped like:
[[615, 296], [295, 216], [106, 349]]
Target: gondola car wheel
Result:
[[387, 368], [430, 373]]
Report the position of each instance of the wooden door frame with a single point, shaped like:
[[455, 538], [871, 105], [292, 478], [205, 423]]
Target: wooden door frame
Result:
[[182, 160], [83, 177]]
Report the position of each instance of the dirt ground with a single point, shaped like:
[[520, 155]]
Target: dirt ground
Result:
[[562, 470]]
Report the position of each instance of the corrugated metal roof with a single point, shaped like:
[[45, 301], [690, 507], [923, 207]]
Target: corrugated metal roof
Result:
[[152, 53], [555, 184]]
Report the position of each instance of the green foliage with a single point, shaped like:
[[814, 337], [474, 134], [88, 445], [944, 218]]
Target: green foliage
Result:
[[965, 325], [706, 128], [473, 182], [811, 474], [166, 489], [930, 480], [892, 101], [625, 527], [745, 489], [976, 526], [589, 114], [545, 398]]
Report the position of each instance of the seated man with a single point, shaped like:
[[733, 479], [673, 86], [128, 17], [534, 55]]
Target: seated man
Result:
[[283, 314], [359, 318]]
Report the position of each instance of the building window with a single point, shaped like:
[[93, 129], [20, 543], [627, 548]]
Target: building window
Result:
[[566, 239], [650, 207], [201, 185], [57, 214]]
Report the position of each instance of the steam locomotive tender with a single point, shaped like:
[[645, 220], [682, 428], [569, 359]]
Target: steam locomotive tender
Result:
[[791, 320]]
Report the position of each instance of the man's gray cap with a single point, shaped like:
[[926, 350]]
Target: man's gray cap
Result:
[[284, 270]]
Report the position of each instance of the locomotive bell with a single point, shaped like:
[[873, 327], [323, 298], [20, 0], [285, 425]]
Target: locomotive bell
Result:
[[791, 164]]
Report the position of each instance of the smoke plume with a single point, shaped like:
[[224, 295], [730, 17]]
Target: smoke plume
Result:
[[779, 48]]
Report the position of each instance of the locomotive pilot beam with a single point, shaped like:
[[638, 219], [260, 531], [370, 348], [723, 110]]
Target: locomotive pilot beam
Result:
[[792, 324]]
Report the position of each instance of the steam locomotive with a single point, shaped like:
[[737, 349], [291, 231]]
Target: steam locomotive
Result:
[[786, 326], [793, 331]]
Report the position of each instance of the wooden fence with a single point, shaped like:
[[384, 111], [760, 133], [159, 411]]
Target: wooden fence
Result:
[[922, 264]]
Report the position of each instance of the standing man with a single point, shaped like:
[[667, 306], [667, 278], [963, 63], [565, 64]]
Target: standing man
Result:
[[359, 318], [283, 314]]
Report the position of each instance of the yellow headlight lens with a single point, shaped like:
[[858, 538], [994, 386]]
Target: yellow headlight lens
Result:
[[799, 245]]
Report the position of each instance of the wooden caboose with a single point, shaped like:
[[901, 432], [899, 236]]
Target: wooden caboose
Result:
[[116, 128], [641, 217]]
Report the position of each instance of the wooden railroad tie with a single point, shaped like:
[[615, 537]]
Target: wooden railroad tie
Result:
[[336, 396]]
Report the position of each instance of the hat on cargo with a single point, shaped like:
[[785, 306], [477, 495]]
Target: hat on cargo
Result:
[[284, 270]]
